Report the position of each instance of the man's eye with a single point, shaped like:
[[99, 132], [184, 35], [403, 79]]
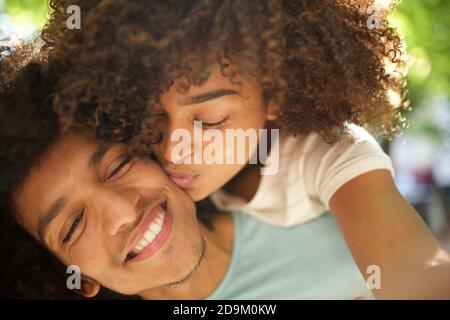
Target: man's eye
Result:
[[121, 166], [211, 125], [73, 227]]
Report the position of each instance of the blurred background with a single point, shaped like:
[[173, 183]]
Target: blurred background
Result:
[[422, 155]]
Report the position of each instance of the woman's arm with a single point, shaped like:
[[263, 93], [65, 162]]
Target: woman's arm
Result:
[[381, 228]]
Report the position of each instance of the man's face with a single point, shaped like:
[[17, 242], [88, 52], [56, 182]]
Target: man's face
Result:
[[118, 217]]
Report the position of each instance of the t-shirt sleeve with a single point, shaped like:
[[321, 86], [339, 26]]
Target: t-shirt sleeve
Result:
[[329, 167]]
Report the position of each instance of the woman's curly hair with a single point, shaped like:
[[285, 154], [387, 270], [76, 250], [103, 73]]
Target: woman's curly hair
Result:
[[319, 61]]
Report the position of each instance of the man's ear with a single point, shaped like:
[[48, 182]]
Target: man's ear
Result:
[[89, 287], [272, 112]]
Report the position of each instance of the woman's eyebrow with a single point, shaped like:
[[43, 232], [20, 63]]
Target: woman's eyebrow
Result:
[[207, 96]]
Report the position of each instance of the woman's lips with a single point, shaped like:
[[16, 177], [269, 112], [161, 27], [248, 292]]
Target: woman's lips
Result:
[[184, 181]]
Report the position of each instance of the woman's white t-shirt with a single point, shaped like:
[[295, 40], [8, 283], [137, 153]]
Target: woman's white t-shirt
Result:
[[310, 172]]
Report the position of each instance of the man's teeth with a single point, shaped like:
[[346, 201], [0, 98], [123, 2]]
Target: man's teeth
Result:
[[153, 230]]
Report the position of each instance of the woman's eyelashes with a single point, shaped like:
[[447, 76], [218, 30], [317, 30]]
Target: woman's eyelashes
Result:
[[213, 125]]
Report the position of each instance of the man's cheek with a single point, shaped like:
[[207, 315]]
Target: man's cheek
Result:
[[90, 256]]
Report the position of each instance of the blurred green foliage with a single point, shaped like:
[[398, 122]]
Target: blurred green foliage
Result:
[[26, 14], [425, 25]]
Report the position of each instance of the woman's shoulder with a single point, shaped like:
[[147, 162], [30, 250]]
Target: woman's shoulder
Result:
[[352, 135]]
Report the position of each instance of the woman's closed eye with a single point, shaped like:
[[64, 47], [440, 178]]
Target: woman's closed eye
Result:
[[213, 125]]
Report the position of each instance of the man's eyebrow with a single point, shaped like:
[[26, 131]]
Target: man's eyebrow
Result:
[[50, 215], [207, 96], [98, 155]]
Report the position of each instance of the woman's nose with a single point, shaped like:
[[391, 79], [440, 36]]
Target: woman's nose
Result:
[[178, 144]]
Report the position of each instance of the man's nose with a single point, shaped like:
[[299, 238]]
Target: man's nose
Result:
[[118, 210]]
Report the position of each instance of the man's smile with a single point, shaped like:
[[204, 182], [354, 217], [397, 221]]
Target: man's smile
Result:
[[151, 233]]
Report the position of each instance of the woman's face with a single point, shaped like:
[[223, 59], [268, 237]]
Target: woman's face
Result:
[[223, 106], [119, 218]]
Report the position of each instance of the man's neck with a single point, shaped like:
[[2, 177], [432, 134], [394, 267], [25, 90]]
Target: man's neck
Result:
[[211, 270]]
